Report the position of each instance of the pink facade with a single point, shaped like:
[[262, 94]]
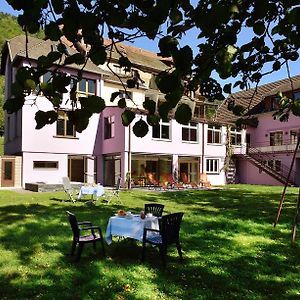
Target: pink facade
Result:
[[279, 152]]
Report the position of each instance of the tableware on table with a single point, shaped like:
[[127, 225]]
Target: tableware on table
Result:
[[142, 214], [121, 213], [149, 215]]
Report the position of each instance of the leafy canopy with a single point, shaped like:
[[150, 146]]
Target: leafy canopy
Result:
[[273, 28]]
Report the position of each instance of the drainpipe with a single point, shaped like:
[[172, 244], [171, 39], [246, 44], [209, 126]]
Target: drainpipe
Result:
[[202, 156], [129, 158]]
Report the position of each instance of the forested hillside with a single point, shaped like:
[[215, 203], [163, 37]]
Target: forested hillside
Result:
[[9, 28]]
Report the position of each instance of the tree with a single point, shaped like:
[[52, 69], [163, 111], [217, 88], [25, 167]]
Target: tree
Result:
[[273, 25]]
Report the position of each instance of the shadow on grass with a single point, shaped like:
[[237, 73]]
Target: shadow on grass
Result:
[[230, 251]]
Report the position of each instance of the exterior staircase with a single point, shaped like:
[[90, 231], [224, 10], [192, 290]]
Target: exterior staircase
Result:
[[230, 175], [259, 159]]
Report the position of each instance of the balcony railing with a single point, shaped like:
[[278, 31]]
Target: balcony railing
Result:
[[285, 146], [263, 157]]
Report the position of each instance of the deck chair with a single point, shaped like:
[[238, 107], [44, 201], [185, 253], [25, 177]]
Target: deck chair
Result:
[[204, 182], [114, 195], [69, 190]]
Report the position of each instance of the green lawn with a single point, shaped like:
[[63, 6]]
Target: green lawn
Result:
[[231, 250]]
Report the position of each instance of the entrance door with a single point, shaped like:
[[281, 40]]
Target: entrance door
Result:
[[189, 171], [76, 168], [8, 172], [112, 170]]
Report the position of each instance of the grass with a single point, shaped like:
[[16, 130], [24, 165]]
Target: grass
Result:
[[231, 250]]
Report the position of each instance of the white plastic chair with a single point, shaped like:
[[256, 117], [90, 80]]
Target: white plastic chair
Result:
[[69, 190]]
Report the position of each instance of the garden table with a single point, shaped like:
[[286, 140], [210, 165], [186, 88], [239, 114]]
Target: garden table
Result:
[[96, 191], [129, 227]]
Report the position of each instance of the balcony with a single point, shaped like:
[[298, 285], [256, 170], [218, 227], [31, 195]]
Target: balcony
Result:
[[267, 148]]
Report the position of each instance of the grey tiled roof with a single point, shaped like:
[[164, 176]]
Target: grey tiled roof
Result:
[[252, 98], [16, 47], [140, 58]]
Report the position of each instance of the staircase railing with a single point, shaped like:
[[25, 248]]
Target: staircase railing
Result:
[[263, 156]]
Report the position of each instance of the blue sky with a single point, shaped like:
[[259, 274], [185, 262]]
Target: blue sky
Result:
[[191, 40]]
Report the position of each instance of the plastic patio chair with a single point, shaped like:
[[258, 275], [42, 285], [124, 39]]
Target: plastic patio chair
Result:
[[80, 239], [110, 196], [69, 190], [167, 234], [154, 208]]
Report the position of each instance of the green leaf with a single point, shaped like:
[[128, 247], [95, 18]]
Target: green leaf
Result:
[[167, 45], [150, 105], [238, 110], [124, 62], [13, 104], [140, 128], [183, 59], [153, 120], [52, 31], [168, 82], [276, 65], [227, 88], [130, 83], [58, 6], [259, 28], [76, 58], [114, 95], [94, 104], [127, 117], [98, 55], [183, 114], [43, 118], [122, 103], [164, 110], [80, 119], [54, 56]]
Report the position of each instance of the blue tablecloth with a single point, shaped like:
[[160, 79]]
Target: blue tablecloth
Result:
[[129, 227], [97, 191]]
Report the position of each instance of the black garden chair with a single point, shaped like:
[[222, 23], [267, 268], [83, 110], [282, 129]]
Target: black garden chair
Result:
[[167, 234], [81, 240], [155, 209]]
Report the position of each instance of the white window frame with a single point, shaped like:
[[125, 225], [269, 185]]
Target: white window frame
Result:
[[86, 92], [62, 115], [111, 122], [212, 165], [189, 127], [234, 132], [214, 131], [161, 123], [274, 164], [276, 132], [293, 136]]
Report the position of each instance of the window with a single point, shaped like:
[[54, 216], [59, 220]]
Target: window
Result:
[[275, 103], [297, 95], [63, 126], [86, 87], [236, 137], [274, 164], [45, 164], [212, 166], [47, 77], [199, 111], [276, 138], [161, 131], [120, 70], [126, 95], [214, 134], [293, 136], [109, 127], [190, 132]]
